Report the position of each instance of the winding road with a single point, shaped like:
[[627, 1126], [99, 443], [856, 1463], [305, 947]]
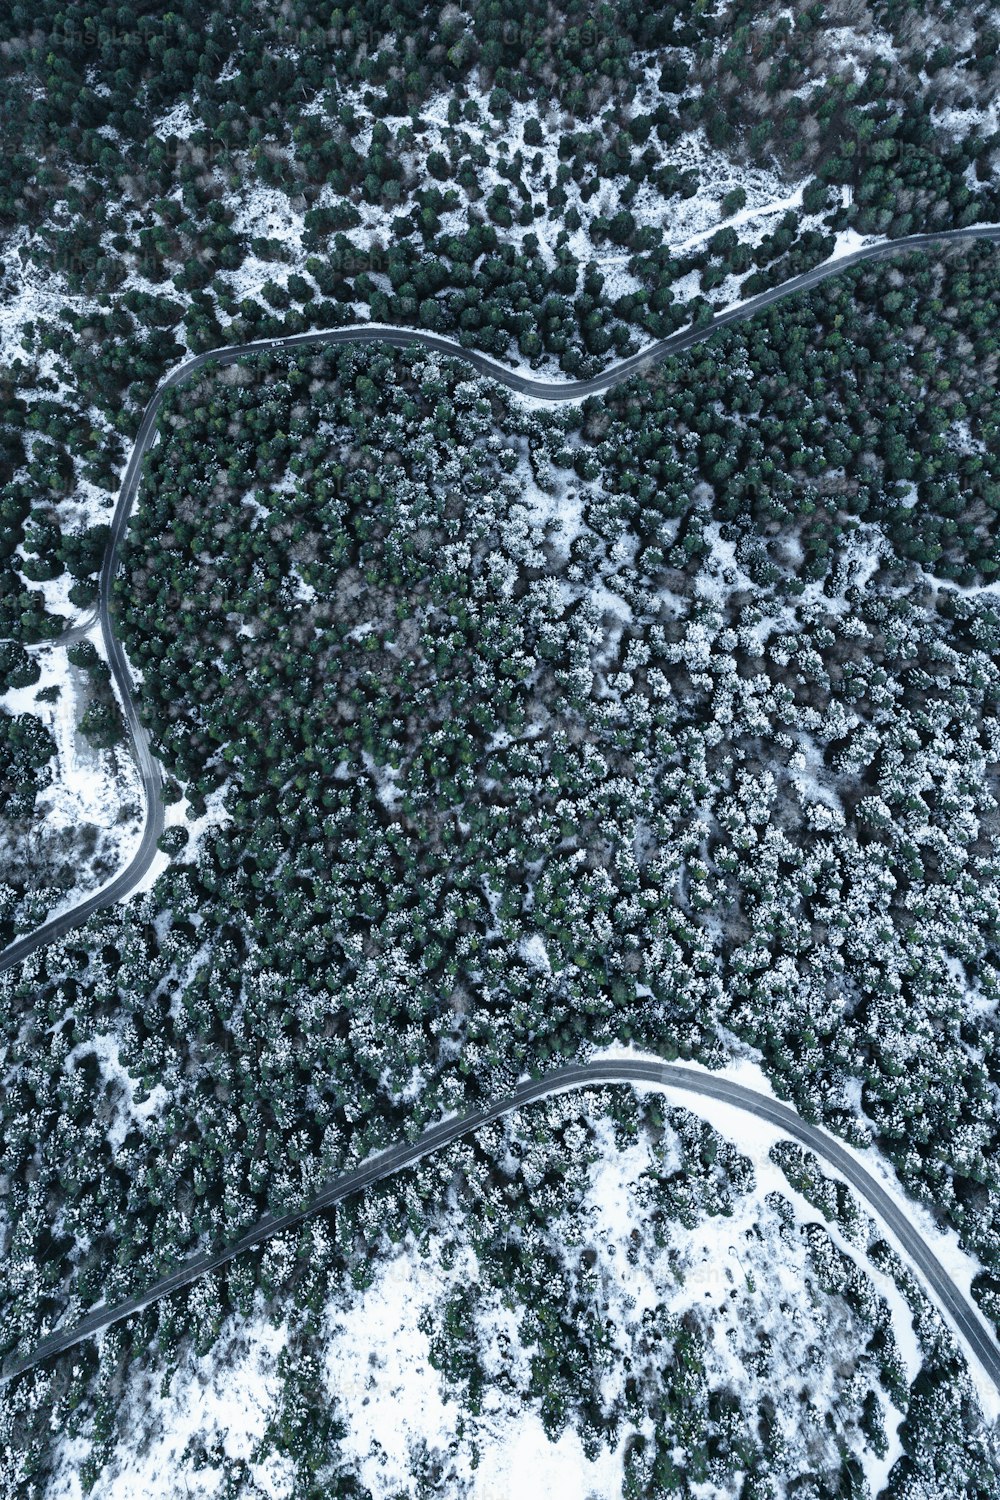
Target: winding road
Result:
[[978, 1337], [642, 363]]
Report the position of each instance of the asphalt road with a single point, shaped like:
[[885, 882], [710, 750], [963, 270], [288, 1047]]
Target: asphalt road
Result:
[[979, 1339], [971, 1328], [400, 338]]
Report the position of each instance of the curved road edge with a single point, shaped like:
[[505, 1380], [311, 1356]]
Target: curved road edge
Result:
[[128, 878], [971, 1328]]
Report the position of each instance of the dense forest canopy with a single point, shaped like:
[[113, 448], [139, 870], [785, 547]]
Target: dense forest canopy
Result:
[[537, 731], [496, 733]]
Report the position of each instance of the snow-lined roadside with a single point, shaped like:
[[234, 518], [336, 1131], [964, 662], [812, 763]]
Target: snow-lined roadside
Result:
[[756, 1138], [730, 1273], [399, 1156], [516, 377], [679, 1081]]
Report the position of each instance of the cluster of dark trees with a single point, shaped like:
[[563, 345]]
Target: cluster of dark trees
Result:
[[26, 749], [876, 133], [784, 85], [102, 718], [872, 399]]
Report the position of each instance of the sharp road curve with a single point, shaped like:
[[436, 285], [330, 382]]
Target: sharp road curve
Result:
[[978, 1337]]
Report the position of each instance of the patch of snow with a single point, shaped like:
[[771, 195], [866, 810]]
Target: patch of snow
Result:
[[756, 1137], [127, 1113], [524, 1461], [849, 241], [735, 1271], [384, 777], [225, 1398], [534, 952], [755, 214], [731, 1270], [177, 121], [99, 788]]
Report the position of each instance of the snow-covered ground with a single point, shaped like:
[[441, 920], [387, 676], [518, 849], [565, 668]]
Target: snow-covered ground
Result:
[[757, 213], [756, 1138], [379, 1372], [733, 1273], [225, 1398], [740, 1284], [123, 1112], [91, 789]]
